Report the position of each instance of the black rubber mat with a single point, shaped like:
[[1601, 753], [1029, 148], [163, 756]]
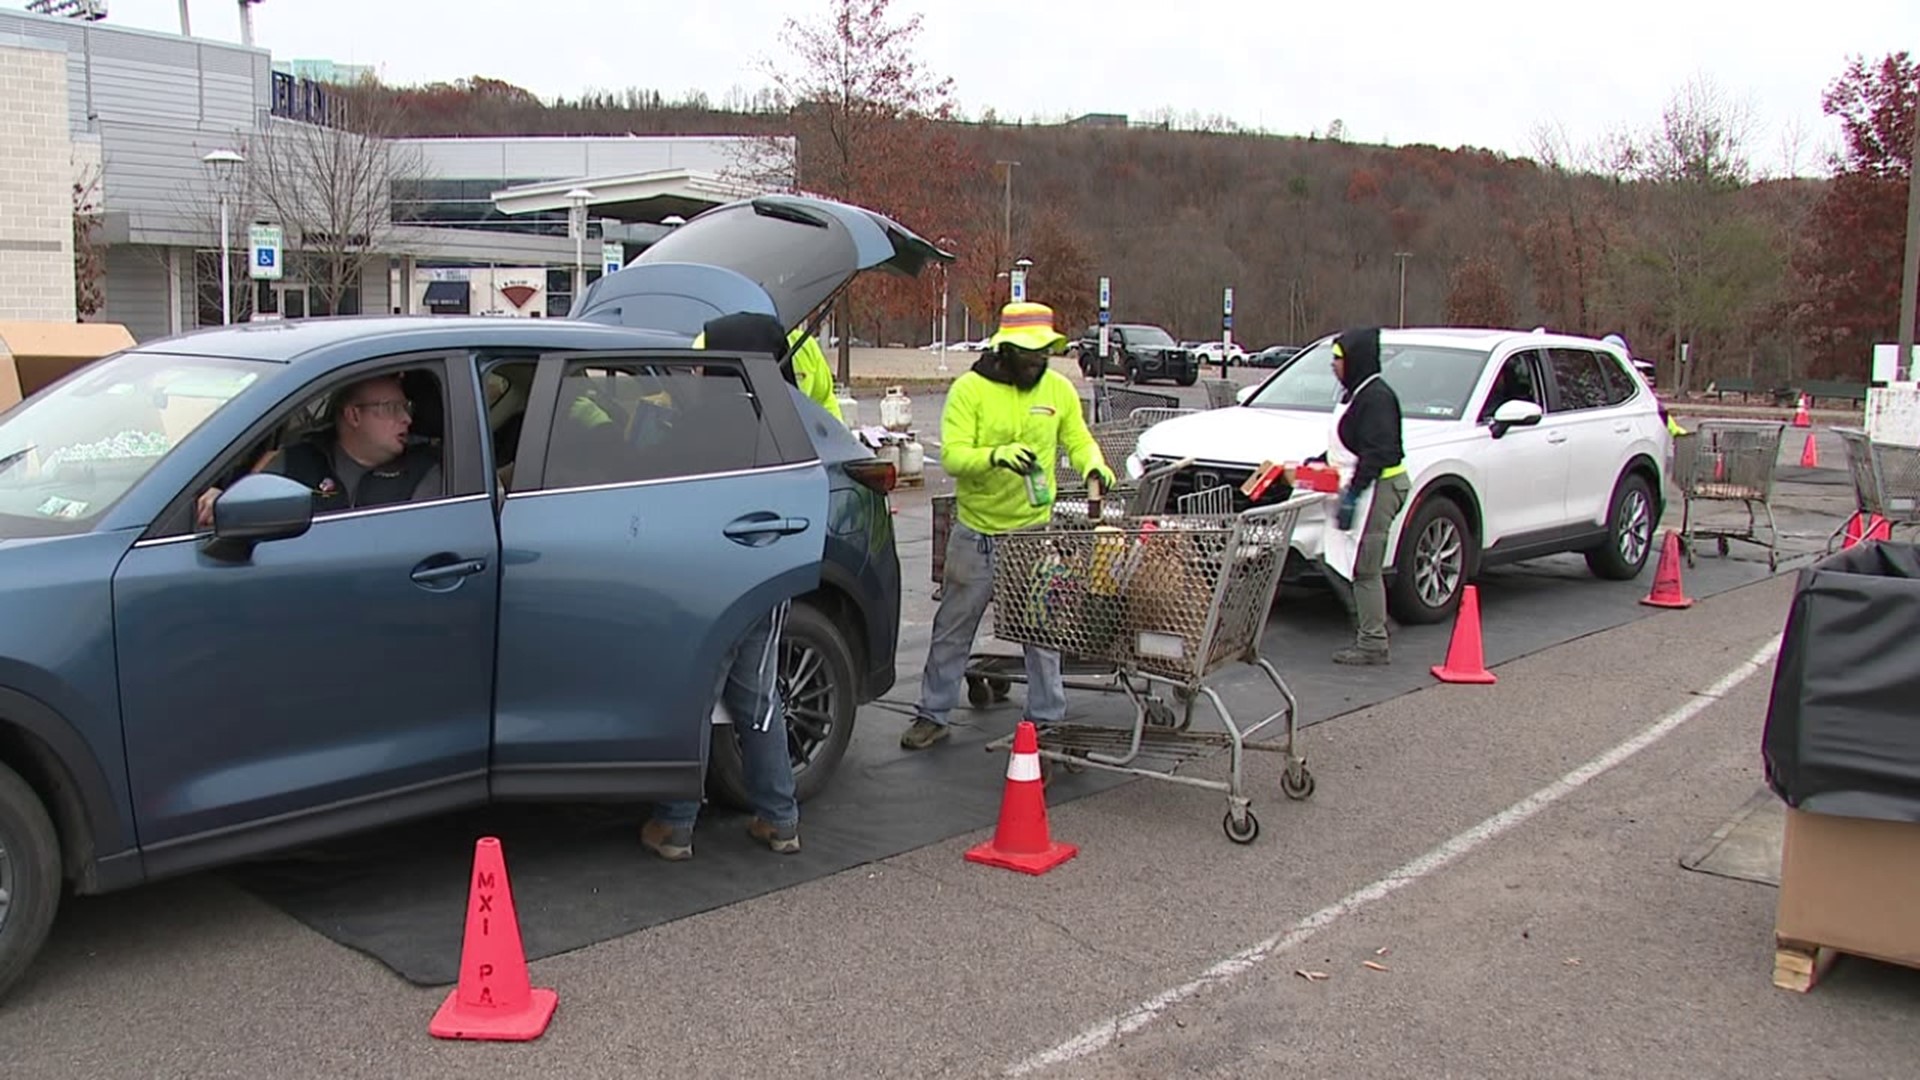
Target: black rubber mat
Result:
[[579, 875]]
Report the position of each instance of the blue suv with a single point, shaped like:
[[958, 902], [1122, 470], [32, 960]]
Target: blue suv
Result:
[[203, 660]]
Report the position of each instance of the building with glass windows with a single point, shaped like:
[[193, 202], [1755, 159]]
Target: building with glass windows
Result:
[[483, 226]]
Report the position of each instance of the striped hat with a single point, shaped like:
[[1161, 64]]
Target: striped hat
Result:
[[1028, 326]]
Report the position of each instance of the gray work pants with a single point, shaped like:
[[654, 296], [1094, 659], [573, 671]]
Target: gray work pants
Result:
[[1367, 596], [965, 593]]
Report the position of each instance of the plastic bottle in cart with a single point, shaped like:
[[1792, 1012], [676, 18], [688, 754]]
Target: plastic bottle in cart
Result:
[[896, 409]]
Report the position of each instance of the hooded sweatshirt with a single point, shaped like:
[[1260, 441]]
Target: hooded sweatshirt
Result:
[[1371, 426], [985, 410]]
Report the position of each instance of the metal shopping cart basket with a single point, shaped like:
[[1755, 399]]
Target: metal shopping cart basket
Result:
[[1728, 461], [1118, 403], [1221, 392], [1168, 600], [1886, 483]]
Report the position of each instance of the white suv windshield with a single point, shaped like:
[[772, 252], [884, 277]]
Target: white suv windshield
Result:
[[1432, 382], [68, 454]]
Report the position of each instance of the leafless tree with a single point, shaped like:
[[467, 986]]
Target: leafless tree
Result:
[[330, 188], [89, 254]]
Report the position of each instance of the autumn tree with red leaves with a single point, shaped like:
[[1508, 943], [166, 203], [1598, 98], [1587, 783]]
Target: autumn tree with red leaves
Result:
[[1851, 250], [868, 127], [1477, 295]]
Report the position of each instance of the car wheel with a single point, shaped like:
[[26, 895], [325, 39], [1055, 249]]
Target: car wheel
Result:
[[1433, 562], [29, 876], [817, 692], [1190, 378], [1629, 532]]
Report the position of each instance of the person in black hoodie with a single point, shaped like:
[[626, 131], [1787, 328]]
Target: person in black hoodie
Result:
[[1368, 431]]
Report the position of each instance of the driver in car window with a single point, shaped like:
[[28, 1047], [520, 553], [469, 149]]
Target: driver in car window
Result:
[[364, 460]]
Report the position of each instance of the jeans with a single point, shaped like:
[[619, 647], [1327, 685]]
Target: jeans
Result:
[[750, 692], [1367, 596], [965, 593]]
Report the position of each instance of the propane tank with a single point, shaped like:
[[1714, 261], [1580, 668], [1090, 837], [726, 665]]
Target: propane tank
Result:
[[849, 409], [896, 409], [913, 461], [889, 452]]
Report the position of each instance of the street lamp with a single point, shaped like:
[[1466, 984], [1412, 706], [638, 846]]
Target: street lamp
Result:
[[945, 245], [222, 163], [577, 224], [1403, 256]]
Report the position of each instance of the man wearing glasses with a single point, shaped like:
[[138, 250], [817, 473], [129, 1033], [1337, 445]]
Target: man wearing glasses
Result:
[[364, 461]]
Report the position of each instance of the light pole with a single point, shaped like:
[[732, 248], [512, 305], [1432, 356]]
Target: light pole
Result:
[[945, 244], [1403, 256], [1006, 227], [222, 163], [578, 198]]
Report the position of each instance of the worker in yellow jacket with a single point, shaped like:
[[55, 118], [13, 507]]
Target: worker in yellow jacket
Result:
[[811, 372], [1001, 434]]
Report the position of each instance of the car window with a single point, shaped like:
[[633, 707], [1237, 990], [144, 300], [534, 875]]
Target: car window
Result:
[[630, 421], [1149, 335], [1519, 380], [1579, 379], [69, 454], [1432, 382], [1620, 384]]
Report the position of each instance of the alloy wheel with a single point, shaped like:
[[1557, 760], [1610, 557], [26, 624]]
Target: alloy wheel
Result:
[[809, 696], [1636, 528], [1439, 562]]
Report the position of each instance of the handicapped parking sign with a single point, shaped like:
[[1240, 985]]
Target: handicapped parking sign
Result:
[[264, 243]]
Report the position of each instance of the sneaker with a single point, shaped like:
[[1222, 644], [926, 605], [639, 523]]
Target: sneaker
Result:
[[783, 839], [922, 734], [671, 842], [1358, 656]]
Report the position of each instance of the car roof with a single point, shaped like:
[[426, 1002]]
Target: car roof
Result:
[[325, 342], [1482, 338]]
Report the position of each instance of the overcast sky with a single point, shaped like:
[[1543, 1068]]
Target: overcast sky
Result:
[[1478, 72]]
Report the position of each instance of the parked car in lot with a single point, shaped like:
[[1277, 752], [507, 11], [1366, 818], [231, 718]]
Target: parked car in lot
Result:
[[1271, 357], [1518, 445], [552, 626], [1140, 352], [1208, 353]]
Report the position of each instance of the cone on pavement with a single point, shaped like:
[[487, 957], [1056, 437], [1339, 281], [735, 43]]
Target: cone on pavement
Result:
[[1800, 417], [494, 999], [1021, 840], [1465, 661], [1810, 454], [1863, 527], [1667, 591]]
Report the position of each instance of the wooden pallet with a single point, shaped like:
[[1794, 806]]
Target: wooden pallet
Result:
[[1797, 965]]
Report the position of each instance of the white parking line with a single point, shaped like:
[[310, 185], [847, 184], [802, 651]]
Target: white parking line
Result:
[[1106, 1031]]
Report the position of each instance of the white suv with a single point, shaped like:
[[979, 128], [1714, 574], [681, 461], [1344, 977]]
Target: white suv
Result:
[[1517, 444]]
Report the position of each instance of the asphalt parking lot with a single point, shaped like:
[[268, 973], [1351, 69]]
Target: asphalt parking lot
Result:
[[1507, 856]]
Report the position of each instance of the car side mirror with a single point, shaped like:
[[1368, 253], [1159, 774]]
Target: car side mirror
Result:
[[257, 508], [1513, 414], [1241, 395]]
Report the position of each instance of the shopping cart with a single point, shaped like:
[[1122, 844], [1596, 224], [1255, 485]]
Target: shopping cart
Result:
[[1167, 600], [1117, 403], [1221, 393], [1886, 482], [1728, 461]]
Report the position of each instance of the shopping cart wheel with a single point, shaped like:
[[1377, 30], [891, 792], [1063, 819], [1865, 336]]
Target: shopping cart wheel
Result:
[[1688, 547], [1296, 784], [1773, 561], [1724, 548], [999, 688], [1244, 831], [1160, 715], [977, 694]]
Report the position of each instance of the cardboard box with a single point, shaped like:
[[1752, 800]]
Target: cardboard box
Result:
[[36, 354], [1851, 884]]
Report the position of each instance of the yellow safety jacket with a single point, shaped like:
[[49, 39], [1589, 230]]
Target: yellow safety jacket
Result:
[[811, 372], [980, 415]]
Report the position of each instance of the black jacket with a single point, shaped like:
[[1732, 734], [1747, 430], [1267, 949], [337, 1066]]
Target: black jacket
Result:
[[1371, 426]]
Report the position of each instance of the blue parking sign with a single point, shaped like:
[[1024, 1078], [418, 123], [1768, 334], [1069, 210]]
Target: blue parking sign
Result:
[[265, 242]]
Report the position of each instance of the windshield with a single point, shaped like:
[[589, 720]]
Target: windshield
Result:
[[1431, 381], [1148, 335], [71, 452]]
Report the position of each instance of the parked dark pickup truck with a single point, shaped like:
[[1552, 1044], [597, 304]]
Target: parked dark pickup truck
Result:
[[1140, 352]]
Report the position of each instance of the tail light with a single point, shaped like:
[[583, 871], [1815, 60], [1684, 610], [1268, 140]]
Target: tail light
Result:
[[879, 475]]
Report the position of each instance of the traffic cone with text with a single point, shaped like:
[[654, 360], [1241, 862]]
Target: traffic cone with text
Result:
[[1465, 662], [1800, 417], [494, 999], [1021, 840], [1810, 454], [1667, 591]]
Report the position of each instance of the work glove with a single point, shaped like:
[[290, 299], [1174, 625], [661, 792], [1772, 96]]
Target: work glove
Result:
[[1018, 457], [1317, 459], [1343, 517], [1105, 474]]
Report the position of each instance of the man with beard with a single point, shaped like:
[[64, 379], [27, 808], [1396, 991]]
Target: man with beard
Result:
[[1001, 434]]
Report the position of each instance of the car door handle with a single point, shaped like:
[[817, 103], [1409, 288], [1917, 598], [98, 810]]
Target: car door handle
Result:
[[1622, 428], [430, 572], [1556, 437], [763, 528]]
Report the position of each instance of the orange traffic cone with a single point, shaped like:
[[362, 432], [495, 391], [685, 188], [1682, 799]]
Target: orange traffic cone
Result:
[[1800, 417], [1021, 841], [1810, 454], [1465, 664], [1667, 592], [494, 999], [1864, 527]]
